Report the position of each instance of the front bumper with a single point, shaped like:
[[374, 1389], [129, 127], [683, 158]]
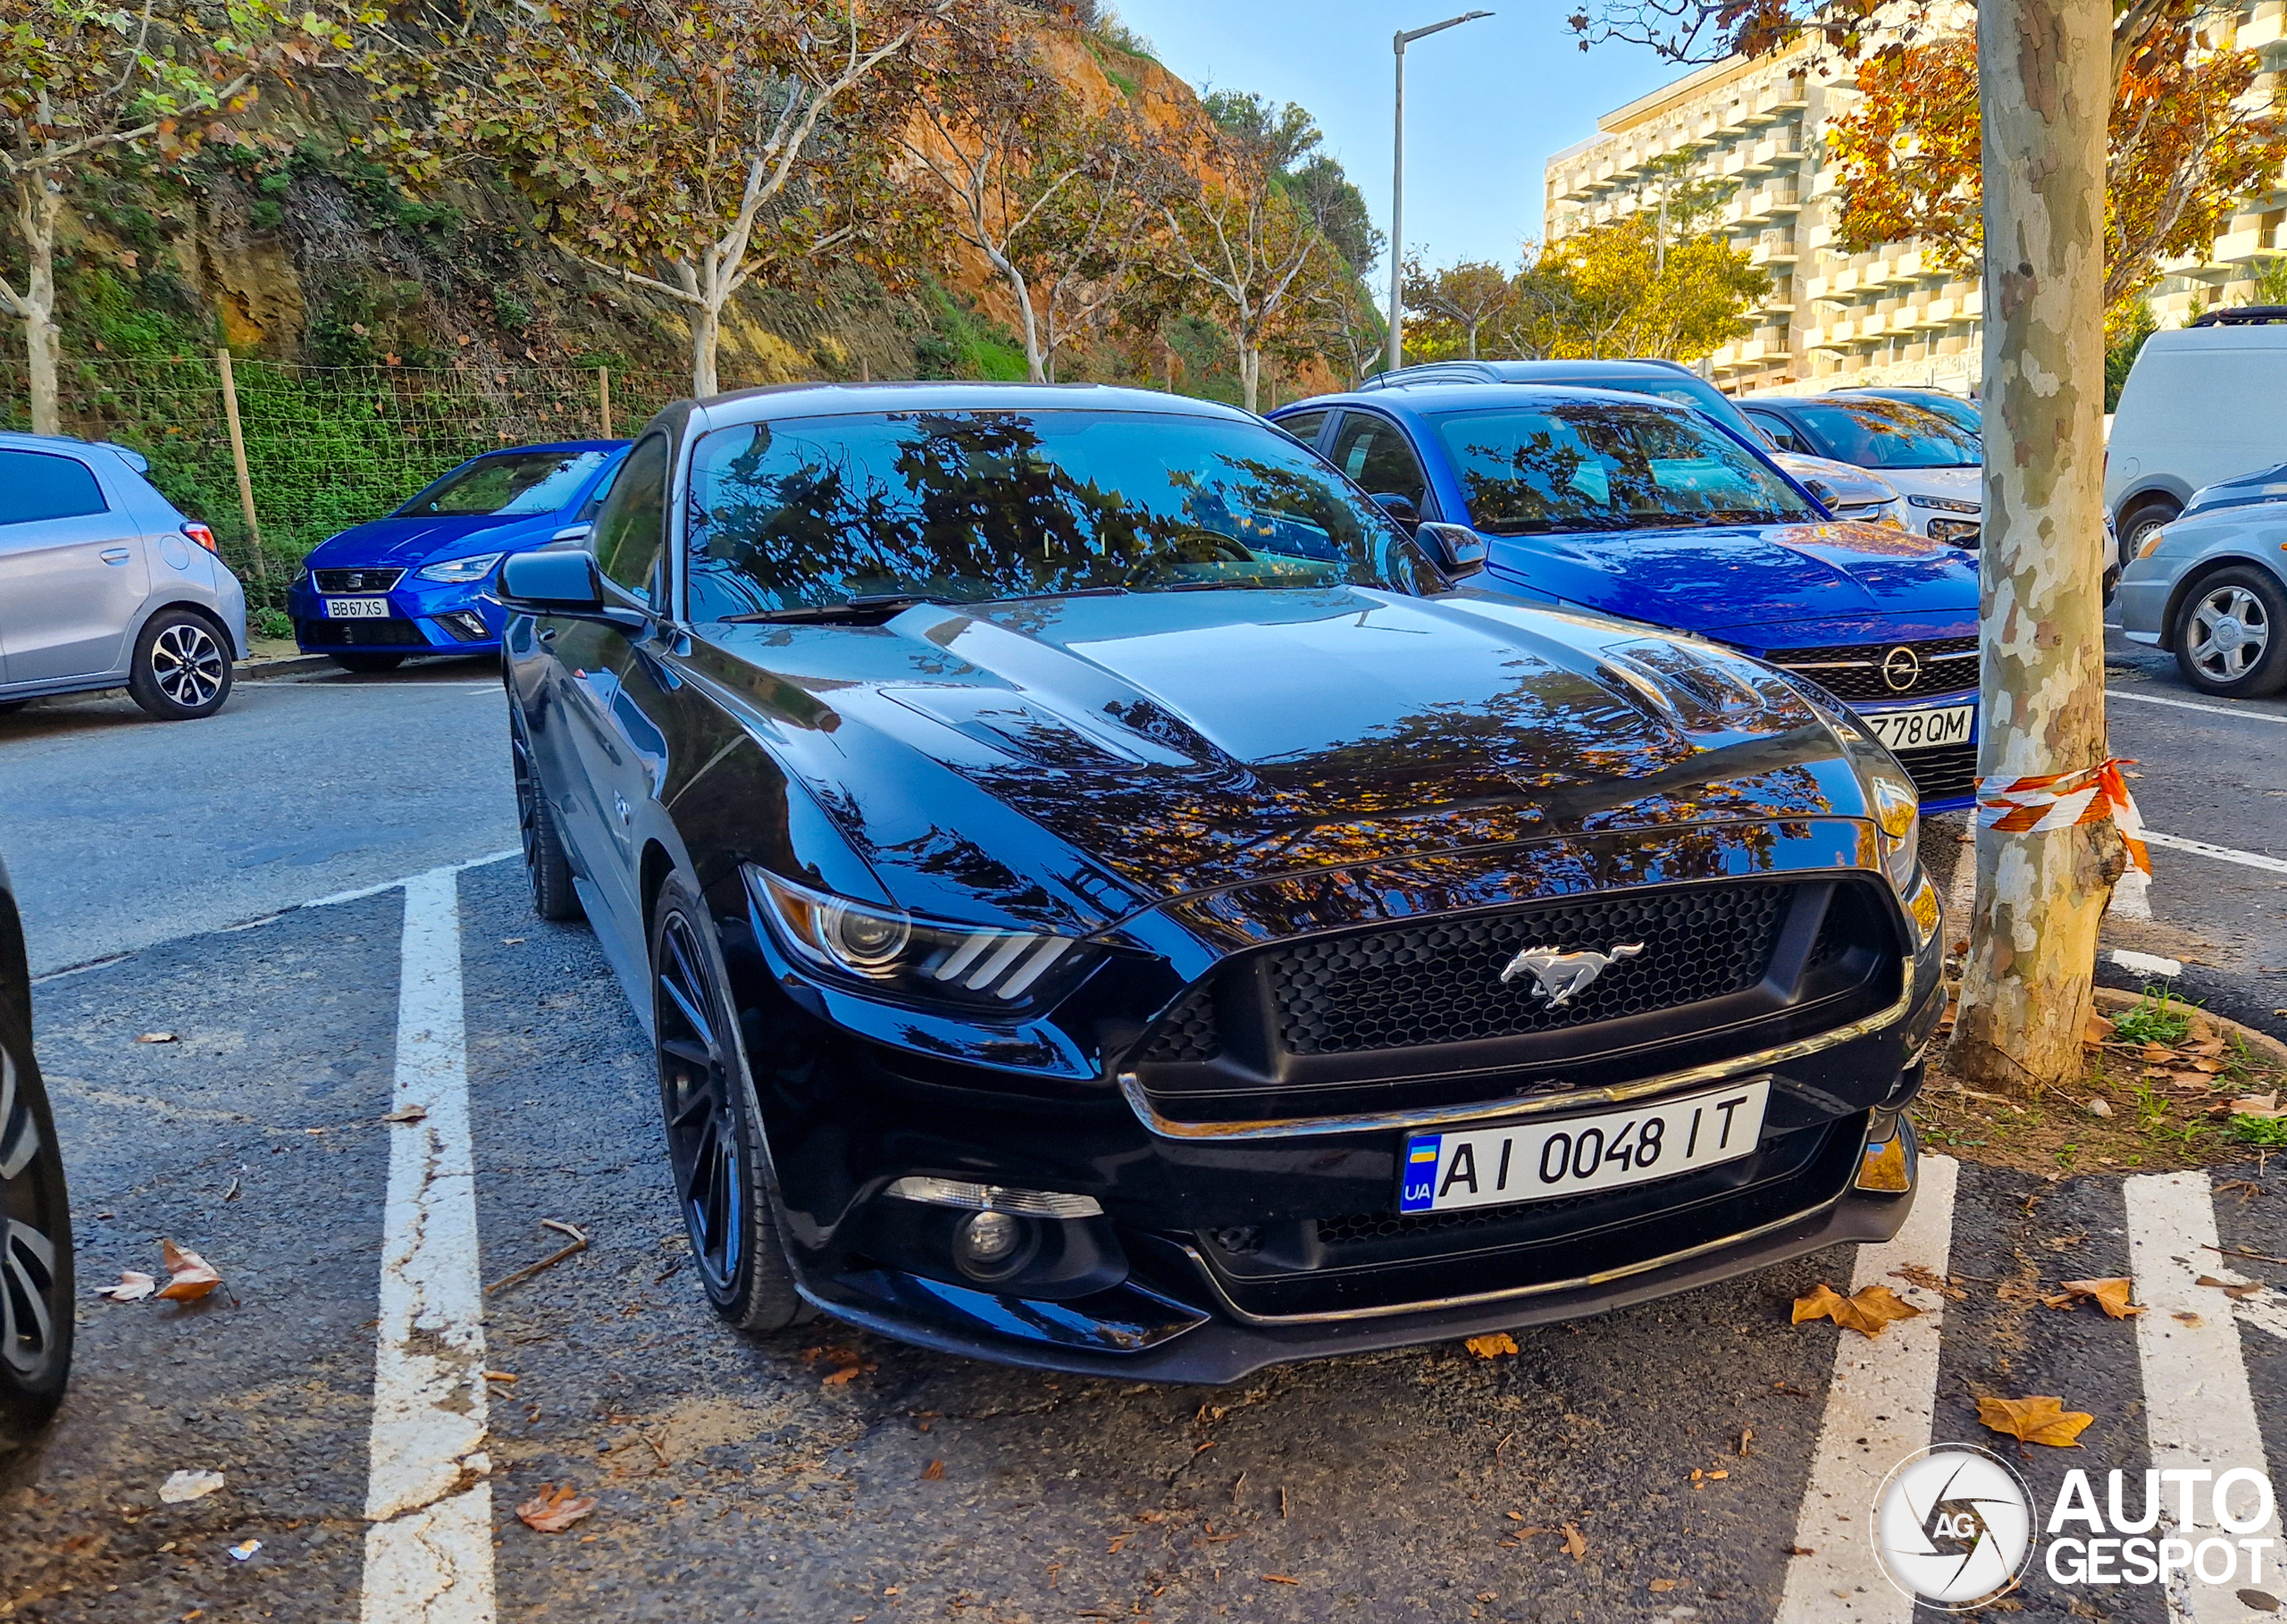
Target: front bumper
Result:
[[1197, 1217], [2142, 601], [423, 617]]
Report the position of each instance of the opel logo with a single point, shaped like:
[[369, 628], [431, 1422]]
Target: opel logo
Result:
[[1901, 668], [1558, 974]]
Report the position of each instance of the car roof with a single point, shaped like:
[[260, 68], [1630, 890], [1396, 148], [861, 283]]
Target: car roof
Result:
[[1529, 371], [1420, 398], [775, 401], [556, 445]]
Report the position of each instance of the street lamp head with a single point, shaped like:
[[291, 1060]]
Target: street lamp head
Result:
[[1406, 36]]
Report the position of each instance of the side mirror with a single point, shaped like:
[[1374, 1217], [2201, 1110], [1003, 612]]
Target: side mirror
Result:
[[564, 584], [1456, 550], [571, 533], [1398, 507]]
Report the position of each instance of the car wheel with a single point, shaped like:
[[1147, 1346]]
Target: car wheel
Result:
[[546, 862], [722, 1170], [367, 664], [35, 1291], [2231, 633], [183, 668], [2137, 523], [9, 707]]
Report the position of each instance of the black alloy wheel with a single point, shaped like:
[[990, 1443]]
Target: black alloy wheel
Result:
[[721, 1170], [183, 668], [546, 863], [36, 1290], [368, 665]]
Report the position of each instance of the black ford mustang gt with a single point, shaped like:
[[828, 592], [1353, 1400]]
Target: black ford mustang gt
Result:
[[1104, 900], [35, 1213]]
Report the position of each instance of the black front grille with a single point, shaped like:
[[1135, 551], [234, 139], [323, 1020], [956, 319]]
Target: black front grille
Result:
[[1440, 981], [1943, 772], [390, 633], [1857, 672], [1188, 1034], [356, 580]]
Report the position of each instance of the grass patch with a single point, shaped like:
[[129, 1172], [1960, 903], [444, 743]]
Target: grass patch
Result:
[[2160, 1017]]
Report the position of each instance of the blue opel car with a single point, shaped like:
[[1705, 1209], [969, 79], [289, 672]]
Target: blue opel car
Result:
[[420, 581], [1625, 504]]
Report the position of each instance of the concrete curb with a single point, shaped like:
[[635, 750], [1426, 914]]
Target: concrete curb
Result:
[[292, 665]]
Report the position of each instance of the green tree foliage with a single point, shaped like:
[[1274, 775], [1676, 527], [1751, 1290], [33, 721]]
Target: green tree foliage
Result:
[[1453, 306], [2124, 334]]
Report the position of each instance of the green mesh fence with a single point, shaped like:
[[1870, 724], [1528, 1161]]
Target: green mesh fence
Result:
[[326, 447]]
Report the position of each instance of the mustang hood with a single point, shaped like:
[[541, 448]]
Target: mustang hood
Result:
[[1172, 742], [411, 541], [1714, 580]]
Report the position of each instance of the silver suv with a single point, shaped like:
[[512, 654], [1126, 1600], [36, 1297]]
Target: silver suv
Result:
[[104, 584]]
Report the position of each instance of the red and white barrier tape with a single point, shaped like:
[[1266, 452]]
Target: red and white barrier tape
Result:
[[2042, 802]]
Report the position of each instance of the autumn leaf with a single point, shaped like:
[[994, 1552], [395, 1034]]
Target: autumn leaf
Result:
[[2238, 1291], [1575, 1546], [1493, 1347], [2110, 1295], [555, 1508], [1279, 1578], [1661, 1586], [935, 1472], [1866, 1310], [132, 1288], [2035, 1420], [189, 1276], [407, 1113], [2096, 1033]]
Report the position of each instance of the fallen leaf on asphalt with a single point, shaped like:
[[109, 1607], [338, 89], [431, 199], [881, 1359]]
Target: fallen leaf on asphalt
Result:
[[1575, 1546], [187, 1486], [1866, 1310], [555, 1508], [189, 1276], [1117, 1541], [1663, 1586], [1493, 1347], [157, 1037], [407, 1113], [132, 1288], [2042, 1420], [1279, 1578], [2188, 1317], [1930, 1280], [2110, 1295], [935, 1472], [1802, 1550], [846, 1373], [2261, 1601], [2246, 1189], [2238, 1291]]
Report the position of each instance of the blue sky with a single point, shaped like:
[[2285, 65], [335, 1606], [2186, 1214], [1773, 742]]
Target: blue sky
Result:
[[1486, 103]]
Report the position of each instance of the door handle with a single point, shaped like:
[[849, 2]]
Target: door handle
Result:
[[116, 555]]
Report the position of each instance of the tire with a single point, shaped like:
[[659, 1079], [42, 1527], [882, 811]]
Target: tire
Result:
[[182, 666], [9, 707], [546, 863], [723, 1182], [2141, 520], [2231, 633], [368, 665], [36, 1285]]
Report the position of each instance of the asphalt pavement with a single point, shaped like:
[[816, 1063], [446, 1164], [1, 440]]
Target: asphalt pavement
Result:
[[1693, 1458]]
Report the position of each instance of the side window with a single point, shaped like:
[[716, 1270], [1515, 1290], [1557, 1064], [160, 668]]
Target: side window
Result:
[[594, 505], [1375, 453], [35, 485], [1304, 426], [1775, 429], [631, 530]]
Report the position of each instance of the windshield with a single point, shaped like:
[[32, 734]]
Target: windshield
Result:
[[1699, 397], [1889, 434], [1600, 467], [968, 506], [1966, 415], [514, 482]]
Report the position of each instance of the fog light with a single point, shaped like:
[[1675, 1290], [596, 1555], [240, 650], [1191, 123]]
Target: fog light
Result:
[[464, 626], [993, 1245], [1887, 1166]]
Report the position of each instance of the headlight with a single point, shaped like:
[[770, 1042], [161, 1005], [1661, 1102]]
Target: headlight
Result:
[[1896, 806], [462, 569], [888, 953], [2152, 542], [1945, 503]]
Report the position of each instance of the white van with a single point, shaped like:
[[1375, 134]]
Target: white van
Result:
[[2203, 403]]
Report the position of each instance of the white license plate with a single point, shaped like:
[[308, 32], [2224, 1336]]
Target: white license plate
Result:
[[1534, 1161], [1912, 730], [356, 608]]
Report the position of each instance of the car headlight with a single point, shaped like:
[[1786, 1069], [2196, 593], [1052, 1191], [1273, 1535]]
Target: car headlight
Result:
[[2152, 542], [1945, 503], [462, 569], [887, 952], [1896, 806]]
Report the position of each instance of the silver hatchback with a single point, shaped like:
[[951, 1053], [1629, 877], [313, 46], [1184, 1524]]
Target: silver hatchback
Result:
[[105, 585]]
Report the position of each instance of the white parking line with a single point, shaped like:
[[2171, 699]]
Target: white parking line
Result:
[[2212, 710], [428, 1498], [2197, 1406], [1878, 1411], [2222, 854]]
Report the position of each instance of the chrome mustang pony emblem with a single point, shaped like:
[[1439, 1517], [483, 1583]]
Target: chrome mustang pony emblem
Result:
[[1559, 974]]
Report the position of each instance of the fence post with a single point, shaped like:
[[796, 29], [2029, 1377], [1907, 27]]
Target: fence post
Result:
[[238, 461], [603, 401]]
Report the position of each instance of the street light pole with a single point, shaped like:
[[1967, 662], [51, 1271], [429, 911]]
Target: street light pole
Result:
[[1398, 42]]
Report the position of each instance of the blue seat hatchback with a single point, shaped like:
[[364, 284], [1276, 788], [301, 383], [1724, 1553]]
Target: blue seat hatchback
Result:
[[1624, 505], [420, 581]]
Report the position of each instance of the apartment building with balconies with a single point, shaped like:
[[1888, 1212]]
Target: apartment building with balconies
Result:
[[1895, 315]]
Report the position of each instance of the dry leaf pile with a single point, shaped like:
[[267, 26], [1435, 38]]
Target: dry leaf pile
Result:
[[1867, 1311], [190, 1277], [2040, 1419]]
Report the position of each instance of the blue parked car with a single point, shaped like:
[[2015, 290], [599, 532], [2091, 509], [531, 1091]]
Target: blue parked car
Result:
[[420, 581], [1624, 505]]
